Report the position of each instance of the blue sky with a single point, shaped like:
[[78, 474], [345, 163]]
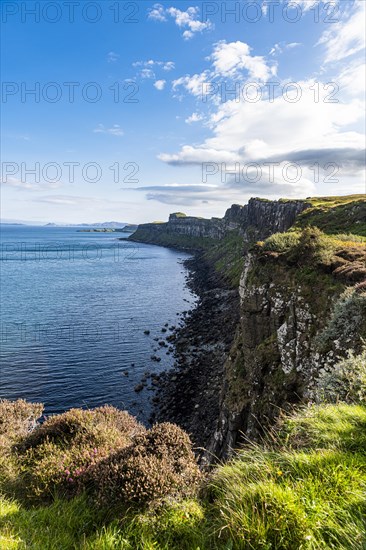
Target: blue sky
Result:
[[293, 128]]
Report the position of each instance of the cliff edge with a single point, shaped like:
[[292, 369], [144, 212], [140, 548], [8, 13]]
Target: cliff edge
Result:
[[296, 276]]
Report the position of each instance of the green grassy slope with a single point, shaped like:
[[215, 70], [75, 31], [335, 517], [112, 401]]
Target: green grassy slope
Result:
[[336, 214], [304, 488]]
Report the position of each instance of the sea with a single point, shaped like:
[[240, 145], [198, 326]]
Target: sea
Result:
[[75, 307]]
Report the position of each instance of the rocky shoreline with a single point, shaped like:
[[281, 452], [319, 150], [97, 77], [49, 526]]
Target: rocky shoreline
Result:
[[189, 394]]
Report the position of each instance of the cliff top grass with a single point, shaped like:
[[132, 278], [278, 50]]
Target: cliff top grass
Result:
[[332, 201], [302, 489], [341, 255], [336, 214]]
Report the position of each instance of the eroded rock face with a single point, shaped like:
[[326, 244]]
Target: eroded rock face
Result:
[[275, 360], [255, 221], [195, 227], [260, 218]]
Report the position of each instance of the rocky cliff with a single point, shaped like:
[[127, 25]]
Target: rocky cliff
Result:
[[300, 305], [256, 220], [297, 318]]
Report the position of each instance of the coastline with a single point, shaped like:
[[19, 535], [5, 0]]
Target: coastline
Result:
[[189, 393]]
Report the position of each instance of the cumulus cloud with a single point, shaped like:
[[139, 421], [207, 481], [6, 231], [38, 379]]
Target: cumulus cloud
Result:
[[194, 84], [231, 65], [147, 73], [157, 13], [160, 84], [187, 20], [298, 132], [230, 59], [115, 130]]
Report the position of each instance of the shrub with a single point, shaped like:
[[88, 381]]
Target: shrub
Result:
[[347, 323], [281, 242], [55, 456], [83, 425], [158, 463], [346, 381], [17, 419]]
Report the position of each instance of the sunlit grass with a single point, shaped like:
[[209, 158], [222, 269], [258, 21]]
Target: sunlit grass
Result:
[[304, 488]]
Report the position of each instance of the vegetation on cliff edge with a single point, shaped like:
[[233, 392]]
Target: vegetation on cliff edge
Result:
[[302, 488]]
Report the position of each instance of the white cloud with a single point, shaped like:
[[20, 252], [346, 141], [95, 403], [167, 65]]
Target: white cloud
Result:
[[194, 117], [168, 65], [112, 57], [196, 155], [115, 130], [280, 47], [193, 84], [305, 5], [147, 73], [160, 84], [352, 80], [165, 65], [231, 58], [347, 37], [246, 132], [187, 20], [157, 13], [23, 184]]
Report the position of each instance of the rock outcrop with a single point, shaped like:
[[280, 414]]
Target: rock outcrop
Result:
[[256, 220]]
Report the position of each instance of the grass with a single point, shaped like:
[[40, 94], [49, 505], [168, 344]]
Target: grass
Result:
[[310, 251], [302, 489], [336, 214]]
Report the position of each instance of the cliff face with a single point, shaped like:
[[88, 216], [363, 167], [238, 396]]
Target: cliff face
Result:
[[256, 220], [260, 218], [302, 307], [298, 317]]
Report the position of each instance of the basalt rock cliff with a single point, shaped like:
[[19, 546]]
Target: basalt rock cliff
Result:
[[256, 220], [300, 305]]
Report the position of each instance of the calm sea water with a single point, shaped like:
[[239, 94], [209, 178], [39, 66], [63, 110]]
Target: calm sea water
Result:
[[74, 310]]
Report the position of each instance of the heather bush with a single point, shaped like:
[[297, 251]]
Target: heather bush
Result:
[[55, 456], [158, 463], [17, 419]]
